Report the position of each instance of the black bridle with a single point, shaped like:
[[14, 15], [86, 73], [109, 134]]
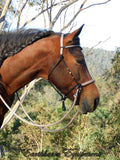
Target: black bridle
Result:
[[79, 86]]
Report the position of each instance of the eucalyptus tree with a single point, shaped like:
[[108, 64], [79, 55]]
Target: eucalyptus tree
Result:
[[52, 13]]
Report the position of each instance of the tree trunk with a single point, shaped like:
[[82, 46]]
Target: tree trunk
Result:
[[4, 12], [1, 151]]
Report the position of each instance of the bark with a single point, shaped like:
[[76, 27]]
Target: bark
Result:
[[4, 12]]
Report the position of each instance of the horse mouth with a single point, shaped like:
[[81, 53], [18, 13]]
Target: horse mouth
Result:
[[85, 107]]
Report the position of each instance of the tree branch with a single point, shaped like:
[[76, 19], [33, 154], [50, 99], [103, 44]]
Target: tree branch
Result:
[[61, 10], [4, 12], [75, 15], [96, 4], [19, 15], [43, 10], [2, 19], [89, 51], [81, 9]]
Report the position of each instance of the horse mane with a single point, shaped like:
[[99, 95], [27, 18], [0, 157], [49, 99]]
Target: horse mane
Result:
[[13, 42]]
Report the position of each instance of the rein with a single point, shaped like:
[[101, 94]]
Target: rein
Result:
[[41, 126], [79, 87]]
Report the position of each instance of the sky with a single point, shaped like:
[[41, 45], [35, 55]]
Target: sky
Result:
[[101, 24]]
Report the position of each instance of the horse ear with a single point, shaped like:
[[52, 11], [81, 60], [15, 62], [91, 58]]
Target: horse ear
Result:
[[78, 31], [72, 36]]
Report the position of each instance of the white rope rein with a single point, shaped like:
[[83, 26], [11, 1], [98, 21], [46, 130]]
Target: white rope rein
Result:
[[17, 104], [52, 124], [41, 126]]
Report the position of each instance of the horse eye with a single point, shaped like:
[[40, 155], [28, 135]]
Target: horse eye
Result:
[[81, 48], [81, 61]]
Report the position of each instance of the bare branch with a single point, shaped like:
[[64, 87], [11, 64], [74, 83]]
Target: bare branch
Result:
[[64, 19], [96, 4], [75, 15], [32, 19], [65, 6], [49, 12], [89, 51], [61, 10], [42, 11], [4, 12], [2, 19], [81, 9], [19, 15], [14, 15], [72, 24], [44, 15]]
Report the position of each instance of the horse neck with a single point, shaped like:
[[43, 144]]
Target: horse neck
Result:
[[32, 62]]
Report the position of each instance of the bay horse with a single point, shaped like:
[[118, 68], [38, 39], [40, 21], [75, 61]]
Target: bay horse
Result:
[[29, 54]]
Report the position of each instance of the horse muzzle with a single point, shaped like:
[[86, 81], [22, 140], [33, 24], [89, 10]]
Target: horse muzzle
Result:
[[86, 106]]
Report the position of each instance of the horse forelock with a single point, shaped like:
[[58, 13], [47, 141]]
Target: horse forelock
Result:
[[13, 42]]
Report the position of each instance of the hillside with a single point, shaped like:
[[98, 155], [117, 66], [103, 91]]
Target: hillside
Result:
[[98, 61]]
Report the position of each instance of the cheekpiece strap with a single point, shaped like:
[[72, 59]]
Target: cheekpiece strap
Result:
[[61, 44]]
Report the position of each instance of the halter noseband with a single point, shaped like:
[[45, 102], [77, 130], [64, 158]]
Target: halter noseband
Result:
[[79, 86]]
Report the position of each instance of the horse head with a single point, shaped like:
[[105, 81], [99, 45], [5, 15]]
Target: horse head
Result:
[[73, 73], [53, 56]]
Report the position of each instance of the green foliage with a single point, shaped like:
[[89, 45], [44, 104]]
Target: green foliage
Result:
[[113, 75], [35, 3], [106, 129], [1, 5], [116, 69]]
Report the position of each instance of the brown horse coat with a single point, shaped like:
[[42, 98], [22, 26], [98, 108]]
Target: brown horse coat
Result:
[[26, 55]]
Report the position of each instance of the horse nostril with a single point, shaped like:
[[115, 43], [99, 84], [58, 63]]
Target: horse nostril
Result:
[[96, 102]]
